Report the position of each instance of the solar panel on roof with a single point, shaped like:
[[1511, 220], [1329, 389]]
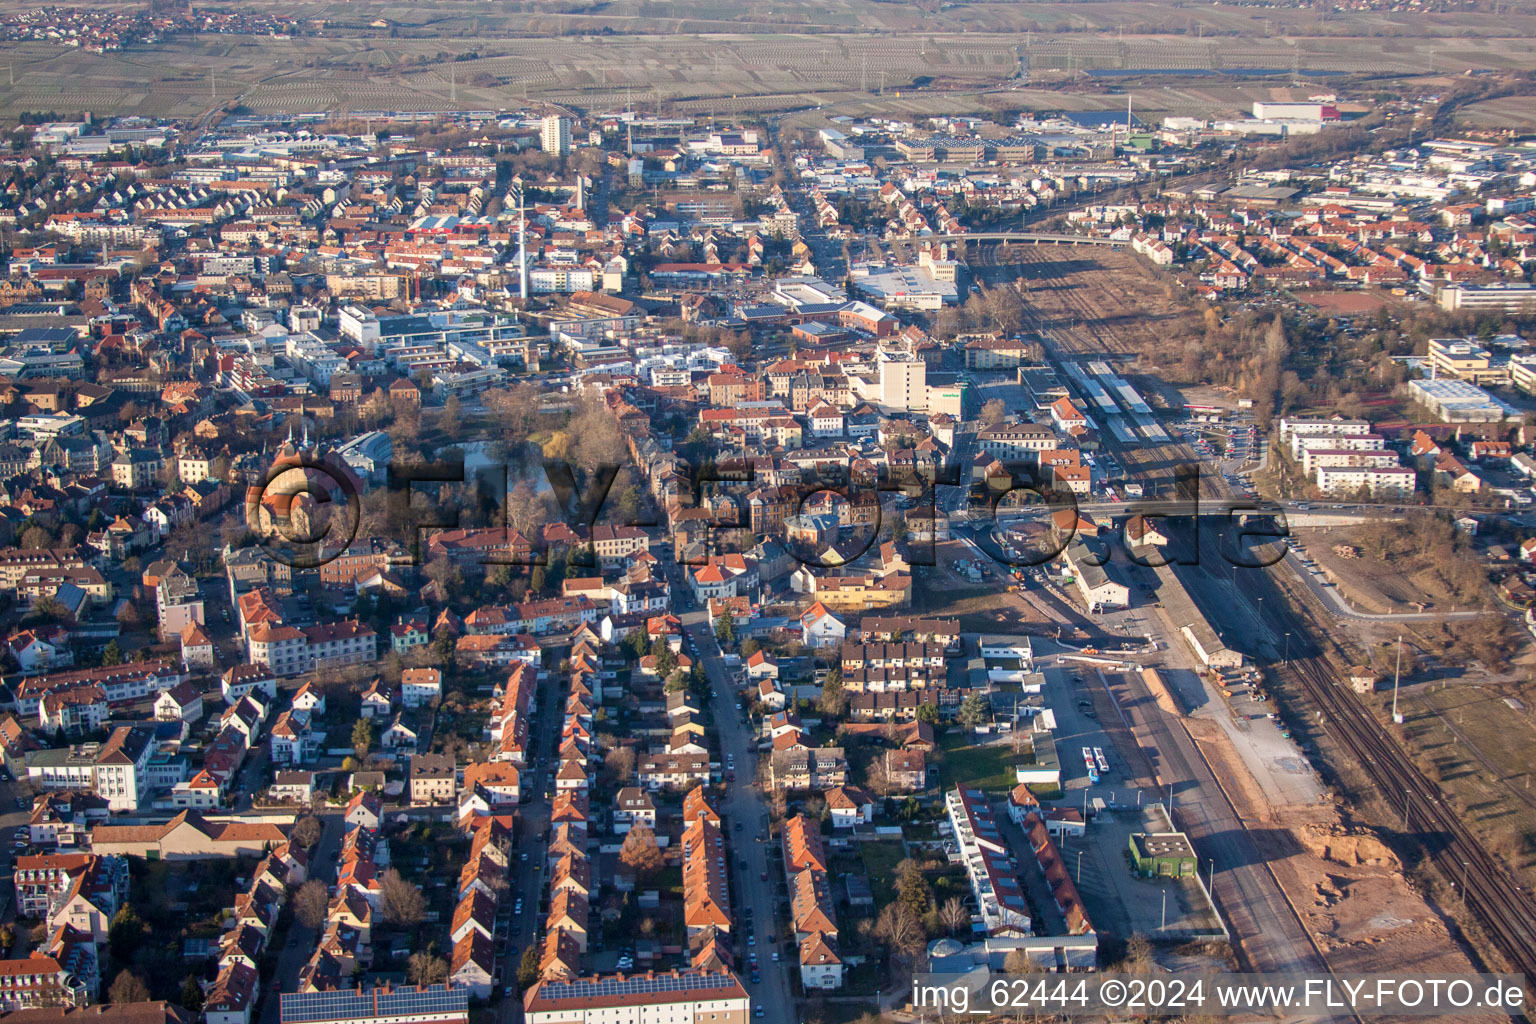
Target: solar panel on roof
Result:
[[347, 1004]]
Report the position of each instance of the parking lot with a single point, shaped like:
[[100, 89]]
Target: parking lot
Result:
[[1123, 904]]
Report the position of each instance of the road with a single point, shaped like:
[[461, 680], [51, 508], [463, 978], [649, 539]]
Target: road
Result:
[[529, 873], [301, 940], [745, 804], [1334, 601], [1251, 899]]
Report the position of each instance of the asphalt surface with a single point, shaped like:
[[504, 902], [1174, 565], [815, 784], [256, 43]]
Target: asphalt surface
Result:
[[301, 940], [745, 804]]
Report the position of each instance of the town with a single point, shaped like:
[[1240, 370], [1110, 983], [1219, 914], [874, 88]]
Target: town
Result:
[[571, 564]]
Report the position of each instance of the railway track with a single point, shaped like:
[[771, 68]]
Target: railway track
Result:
[[1506, 910]]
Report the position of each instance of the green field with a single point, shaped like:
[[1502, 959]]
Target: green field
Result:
[[880, 860], [987, 767]]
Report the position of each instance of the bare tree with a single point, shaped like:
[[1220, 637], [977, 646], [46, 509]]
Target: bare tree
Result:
[[307, 831], [901, 929], [1138, 955], [425, 967], [128, 987], [953, 915], [640, 852], [402, 902], [619, 764], [311, 903]]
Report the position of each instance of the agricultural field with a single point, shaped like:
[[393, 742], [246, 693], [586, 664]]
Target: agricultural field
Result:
[[853, 56]]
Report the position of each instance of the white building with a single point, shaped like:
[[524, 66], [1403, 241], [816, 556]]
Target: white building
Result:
[[555, 135], [683, 997], [988, 863]]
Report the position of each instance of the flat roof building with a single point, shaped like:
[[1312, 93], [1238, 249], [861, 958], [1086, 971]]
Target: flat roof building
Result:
[[1162, 854]]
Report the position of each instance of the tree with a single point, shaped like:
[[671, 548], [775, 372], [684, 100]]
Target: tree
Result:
[[834, 699], [362, 738], [311, 903], [953, 916], [191, 997], [619, 764], [928, 713], [973, 711], [640, 852], [128, 987], [901, 930], [1138, 955], [112, 654], [1019, 962], [666, 659], [402, 902], [125, 933], [993, 411], [128, 616], [725, 628], [425, 967], [528, 968], [912, 888], [450, 420], [750, 646], [36, 537], [307, 831]]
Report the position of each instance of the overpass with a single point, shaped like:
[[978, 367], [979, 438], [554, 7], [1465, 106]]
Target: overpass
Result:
[[1022, 236]]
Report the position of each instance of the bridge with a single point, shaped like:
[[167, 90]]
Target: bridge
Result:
[[1022, 236]]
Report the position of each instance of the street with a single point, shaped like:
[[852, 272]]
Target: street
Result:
[[745, 804], [301, 940]]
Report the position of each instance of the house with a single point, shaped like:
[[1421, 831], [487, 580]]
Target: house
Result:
[[233, 995], [181, 703], [496, 785], [820, 628], [241, 680], [364, 810], [633, 806], [672, 771], [475, 913], [291, 737], [850, 806], [189, 836], [39, 980], [820, 965], [433, 779], [197, 649], [295, 786], [419, 687], [906, 771], [473, 965], [41, 650], [762, 665], [407, 635], [398, 736], [699, 997], [202, 792], [378, 699], [770, 696]]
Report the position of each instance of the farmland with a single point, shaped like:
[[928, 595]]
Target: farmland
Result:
[[698, 58]]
